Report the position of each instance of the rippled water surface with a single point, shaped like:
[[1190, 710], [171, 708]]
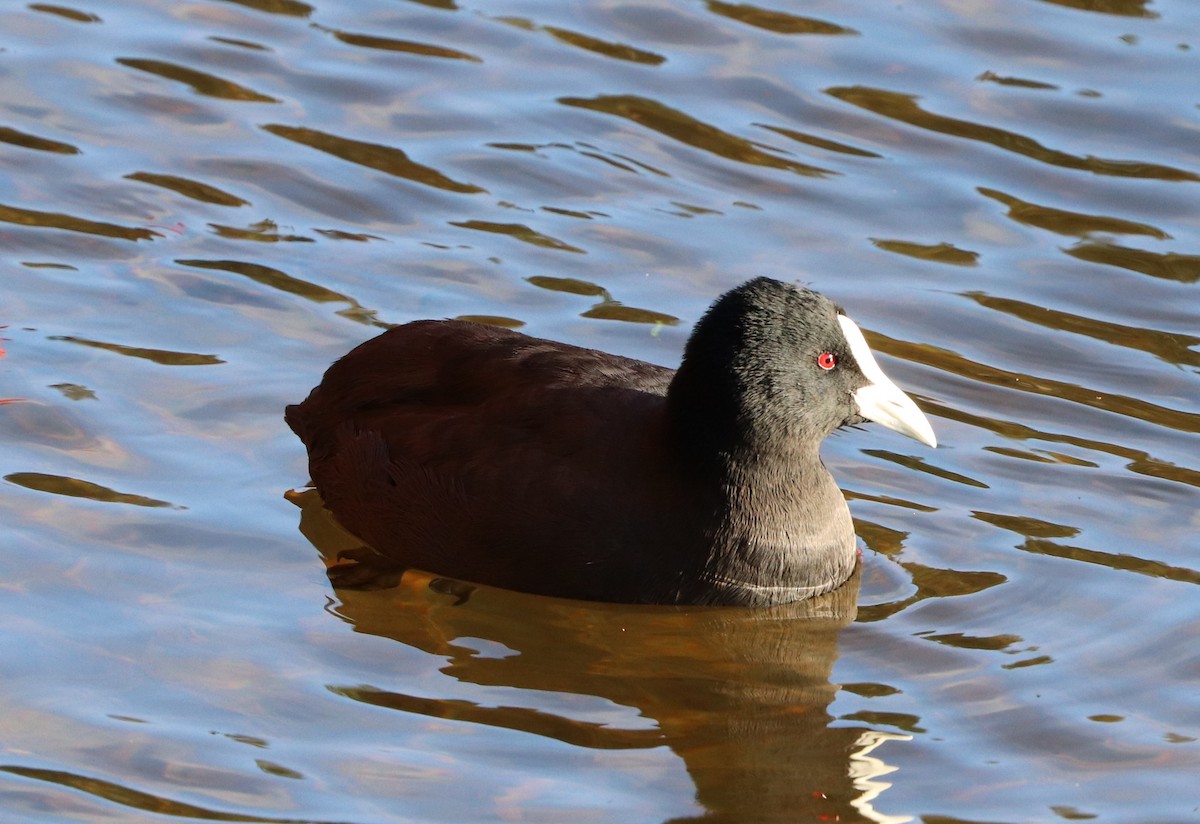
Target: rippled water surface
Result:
[[203, 203]]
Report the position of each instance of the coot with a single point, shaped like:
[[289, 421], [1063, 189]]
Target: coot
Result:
[[490, 456]]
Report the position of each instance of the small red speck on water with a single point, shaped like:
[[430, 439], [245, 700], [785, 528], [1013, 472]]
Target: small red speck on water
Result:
[[179, 228]]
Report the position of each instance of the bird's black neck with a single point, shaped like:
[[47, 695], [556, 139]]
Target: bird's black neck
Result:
[[781, 530]]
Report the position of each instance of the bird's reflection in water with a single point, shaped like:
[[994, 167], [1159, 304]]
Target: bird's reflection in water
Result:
[[740, 695]]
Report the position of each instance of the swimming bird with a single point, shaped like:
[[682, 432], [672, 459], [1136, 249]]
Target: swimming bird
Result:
[[490, 456]]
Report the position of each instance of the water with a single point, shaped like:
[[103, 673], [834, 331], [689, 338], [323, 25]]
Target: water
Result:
[[202, 204]]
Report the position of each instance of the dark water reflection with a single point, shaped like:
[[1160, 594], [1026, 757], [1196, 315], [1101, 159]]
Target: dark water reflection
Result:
[[203, 203], [740, 696]]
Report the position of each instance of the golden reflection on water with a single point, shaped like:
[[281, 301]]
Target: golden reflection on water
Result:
[[123, 796], [30, 141], [1126, 8], [689, 130], [937, 253], [1064, 222], [382, 158], [617, 51], [201, 82], [159, 356], [1024, 382], [906, 109], [78, 488], [1172, 347], [368, 41], [521, 232], [66, 12], [776, 21], [1167, 265], [71, 223], [189, 188]]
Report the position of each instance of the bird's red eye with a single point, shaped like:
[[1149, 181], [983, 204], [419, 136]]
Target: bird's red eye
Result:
[[826, 361]]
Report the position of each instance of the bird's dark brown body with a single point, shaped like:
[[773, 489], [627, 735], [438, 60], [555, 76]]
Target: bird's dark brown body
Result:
[[490, 456]]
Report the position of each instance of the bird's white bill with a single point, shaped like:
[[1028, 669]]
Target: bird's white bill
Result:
[[881, 400]]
